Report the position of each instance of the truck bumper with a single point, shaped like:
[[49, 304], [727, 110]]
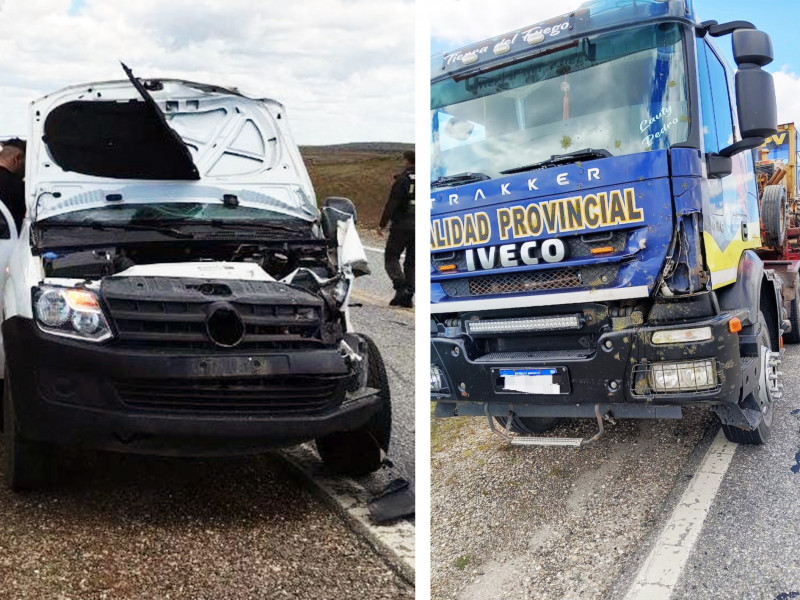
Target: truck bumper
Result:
[[611, 375], [172, 403]]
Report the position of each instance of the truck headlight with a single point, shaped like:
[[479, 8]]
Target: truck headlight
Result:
[[682, 336], [683, 376], [70, 312]]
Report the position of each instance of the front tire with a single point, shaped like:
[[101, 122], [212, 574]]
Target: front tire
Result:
[[765, 399], [28, 464], [358, 452]]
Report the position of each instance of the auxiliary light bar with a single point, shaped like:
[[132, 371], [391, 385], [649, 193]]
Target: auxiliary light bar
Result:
[[525, 324]]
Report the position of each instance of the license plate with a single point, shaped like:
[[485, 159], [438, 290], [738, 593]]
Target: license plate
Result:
[[547, 381]]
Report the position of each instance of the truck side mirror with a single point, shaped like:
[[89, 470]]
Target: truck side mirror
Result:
[[335, 209], [755, 90]]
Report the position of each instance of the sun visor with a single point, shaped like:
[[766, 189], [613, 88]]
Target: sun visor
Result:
[[125, 140]]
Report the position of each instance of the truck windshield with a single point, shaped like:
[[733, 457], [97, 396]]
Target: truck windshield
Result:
[[618, 93]]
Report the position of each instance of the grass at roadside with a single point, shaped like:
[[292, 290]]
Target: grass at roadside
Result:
[[444, 431], [362, 172]]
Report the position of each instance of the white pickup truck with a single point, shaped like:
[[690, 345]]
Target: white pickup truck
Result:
[[175, 289]]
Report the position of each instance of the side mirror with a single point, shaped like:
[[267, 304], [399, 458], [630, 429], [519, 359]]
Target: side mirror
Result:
[[755, 90], [335, 209], [752, 47]]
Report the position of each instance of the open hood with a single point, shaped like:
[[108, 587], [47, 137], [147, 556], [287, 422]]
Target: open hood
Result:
[[184, 141]]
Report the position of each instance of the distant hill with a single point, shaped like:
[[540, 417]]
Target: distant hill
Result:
[[362, 171]]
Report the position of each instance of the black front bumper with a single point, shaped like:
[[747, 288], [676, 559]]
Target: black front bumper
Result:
[[169, 402], [604, 376]]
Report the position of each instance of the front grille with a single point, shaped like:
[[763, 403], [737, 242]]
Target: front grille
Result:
[[534, 356], [513, 283], [174, 313], [305, 395]]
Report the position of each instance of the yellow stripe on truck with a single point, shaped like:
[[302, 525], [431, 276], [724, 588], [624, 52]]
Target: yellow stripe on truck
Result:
[[724, 264]]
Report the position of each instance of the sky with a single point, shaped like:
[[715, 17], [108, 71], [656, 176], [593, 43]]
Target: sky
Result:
[[454, 24], [342, 73]]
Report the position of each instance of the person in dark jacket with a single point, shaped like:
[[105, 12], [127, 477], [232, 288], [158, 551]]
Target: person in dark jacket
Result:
[[399, 211], [12, 171]]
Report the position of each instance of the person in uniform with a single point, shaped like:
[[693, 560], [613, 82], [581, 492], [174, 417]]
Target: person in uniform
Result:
[[399, 211], [12, 172]]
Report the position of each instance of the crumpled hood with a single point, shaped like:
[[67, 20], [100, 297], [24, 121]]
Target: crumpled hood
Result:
[[95, 141]]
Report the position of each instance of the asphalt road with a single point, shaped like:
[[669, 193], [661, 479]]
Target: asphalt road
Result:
[[749, 547], [125, 527], [392, 329]]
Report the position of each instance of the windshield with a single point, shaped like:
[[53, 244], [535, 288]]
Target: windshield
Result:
[[618, 93], [174, 212]]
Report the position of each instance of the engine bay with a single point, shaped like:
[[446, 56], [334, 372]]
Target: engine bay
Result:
[[277, 259]]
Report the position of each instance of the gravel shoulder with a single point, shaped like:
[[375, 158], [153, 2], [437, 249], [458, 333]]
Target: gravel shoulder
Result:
[[547, 523], [125, 527]]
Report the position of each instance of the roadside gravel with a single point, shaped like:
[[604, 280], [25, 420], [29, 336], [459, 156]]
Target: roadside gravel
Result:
[[124, 527], [548, 523]]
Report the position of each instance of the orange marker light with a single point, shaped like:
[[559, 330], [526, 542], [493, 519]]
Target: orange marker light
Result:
[[734, 325], [81, 300], [444, 268], [603, 250]]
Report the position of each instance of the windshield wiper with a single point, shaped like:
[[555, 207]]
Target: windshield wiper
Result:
[[225, 224], [459, 178], [125, 226], [562, 159]]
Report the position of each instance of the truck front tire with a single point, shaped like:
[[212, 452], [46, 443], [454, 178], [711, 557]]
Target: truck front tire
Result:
[[760, 434], [358, 452], [28, 464]]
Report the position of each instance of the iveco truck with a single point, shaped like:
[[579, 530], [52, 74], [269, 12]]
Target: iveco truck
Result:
[[174, 288], [595, 220]]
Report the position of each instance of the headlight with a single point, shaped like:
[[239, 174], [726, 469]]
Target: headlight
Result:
[[683, 376], [336, 289], [339, 292], [70, 312]]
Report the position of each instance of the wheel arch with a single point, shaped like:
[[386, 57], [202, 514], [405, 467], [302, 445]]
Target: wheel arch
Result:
[[755, 289]]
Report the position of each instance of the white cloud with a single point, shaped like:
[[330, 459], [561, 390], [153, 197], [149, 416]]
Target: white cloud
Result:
[[343, 68], [464, 21], [787, 89]]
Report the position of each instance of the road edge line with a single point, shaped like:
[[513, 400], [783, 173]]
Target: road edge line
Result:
[[660, 572], [393, 543]]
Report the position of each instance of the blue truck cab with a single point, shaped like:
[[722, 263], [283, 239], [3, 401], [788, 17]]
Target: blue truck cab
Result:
[[594, 222]]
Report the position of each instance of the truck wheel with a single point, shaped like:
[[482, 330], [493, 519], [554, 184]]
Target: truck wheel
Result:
[[28, 464], [528, 425], [358, 452], [793, 337], [765, 393], [773, 215]]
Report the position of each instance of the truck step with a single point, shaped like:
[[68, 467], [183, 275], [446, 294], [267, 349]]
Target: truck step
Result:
[[546, 441], [522, 440]]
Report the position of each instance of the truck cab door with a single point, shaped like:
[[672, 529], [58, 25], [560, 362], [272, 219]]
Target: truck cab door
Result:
[[730, 211]]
